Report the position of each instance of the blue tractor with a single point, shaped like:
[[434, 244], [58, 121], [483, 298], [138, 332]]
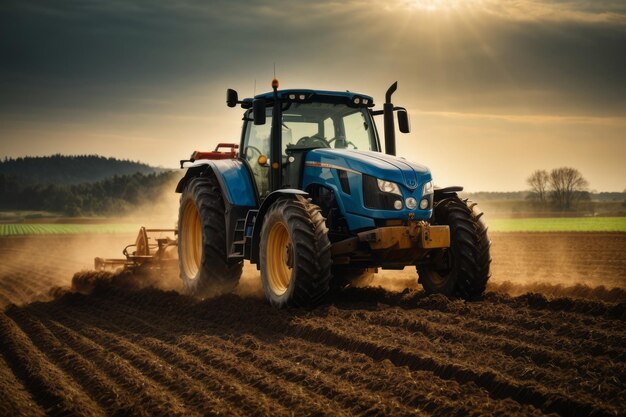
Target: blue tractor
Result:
[[311, 200]]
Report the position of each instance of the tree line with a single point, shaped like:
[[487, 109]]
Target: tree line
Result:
[[117, 195], [561, 188], [69, 169]]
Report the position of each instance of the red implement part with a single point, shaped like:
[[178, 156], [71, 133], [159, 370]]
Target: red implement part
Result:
[[217, 154]]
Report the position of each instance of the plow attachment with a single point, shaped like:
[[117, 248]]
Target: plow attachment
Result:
[[153, 249]]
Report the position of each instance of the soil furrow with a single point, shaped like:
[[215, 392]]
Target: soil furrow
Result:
[[257, 348], [519, 369], [498, 385], [528, 330], [422, 389], [409, 323], [140, 354], [168, 331], [110, 396], [16, 400], [217, 374], [318, 385], [149, 395], [50, 387], [276, 379]]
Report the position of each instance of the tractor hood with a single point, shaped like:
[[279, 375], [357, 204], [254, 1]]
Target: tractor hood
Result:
[[375, 164]]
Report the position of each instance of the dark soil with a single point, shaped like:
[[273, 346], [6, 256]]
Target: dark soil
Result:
[[117, 348]]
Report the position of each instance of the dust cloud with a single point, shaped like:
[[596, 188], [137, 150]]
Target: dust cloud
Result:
[[159, 212], [577, 265], [31, 265], [582, 265]]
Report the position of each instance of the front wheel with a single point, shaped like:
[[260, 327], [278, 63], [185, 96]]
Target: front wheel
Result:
[[295, 255], [462, 269]]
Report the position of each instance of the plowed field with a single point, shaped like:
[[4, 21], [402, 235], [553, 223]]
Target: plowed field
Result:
[[116, 345]]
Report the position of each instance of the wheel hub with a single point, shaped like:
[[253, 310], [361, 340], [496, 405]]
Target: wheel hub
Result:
[[289, 255]]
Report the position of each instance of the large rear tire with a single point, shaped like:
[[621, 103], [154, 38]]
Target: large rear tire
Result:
[[295, 255], [463, 269], [203, 265]]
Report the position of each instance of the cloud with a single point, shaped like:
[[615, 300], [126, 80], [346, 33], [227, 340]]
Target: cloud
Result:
[[534, 119], [546, 57], [571, 11], [158, 69]]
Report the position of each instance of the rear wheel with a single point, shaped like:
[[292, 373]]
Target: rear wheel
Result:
[[204, 268], [295, 256], [463, 269]]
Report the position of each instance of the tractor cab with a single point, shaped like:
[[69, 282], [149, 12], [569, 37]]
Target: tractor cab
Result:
[[308, 120]]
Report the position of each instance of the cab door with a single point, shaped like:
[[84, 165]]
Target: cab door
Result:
[[255, 150]]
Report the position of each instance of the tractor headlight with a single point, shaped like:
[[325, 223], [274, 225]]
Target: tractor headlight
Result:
[[388, 187], [428, 188], [380, 194], [411, 203], [427, 196]]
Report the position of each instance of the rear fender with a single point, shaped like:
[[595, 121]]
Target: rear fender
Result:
[[260, 217], [193, 172], [233, 176], [237, 189]]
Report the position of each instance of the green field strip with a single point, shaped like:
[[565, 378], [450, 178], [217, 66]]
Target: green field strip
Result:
[[559, 224], [66, 229]]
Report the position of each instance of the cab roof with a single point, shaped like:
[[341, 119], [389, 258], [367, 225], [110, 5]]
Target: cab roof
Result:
[[304, 95]]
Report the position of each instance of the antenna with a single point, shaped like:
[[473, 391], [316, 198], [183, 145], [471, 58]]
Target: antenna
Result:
[[254, 87], [274, 69]]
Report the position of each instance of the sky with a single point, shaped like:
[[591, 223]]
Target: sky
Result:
[[495, 88]]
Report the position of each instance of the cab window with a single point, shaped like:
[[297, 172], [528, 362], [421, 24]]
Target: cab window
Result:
[[257, 143]]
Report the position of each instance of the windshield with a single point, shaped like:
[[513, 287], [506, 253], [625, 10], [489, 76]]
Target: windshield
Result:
[[313, 125], [327, 125]]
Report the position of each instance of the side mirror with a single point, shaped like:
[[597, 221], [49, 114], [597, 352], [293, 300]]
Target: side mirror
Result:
[[258, 111], [231, 97], [403, 121]]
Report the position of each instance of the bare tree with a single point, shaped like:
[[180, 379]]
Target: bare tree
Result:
[[539, 181], [567, 185]]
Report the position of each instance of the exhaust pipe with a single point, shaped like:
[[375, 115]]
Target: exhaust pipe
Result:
[[390, 129]]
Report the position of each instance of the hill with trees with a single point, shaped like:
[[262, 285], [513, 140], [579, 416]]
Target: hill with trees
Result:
[[82, 185], [69, 170], [114, 196]]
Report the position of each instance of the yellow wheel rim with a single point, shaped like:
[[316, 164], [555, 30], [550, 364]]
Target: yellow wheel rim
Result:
[[191, 240], [279, 258]]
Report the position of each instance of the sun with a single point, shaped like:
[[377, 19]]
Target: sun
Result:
[[437, 5]]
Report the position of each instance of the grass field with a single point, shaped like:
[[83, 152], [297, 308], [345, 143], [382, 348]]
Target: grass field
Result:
[[561, 224], [65, 229], [572, 224]]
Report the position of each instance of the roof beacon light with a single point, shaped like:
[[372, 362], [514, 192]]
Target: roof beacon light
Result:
[[275, 84]]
